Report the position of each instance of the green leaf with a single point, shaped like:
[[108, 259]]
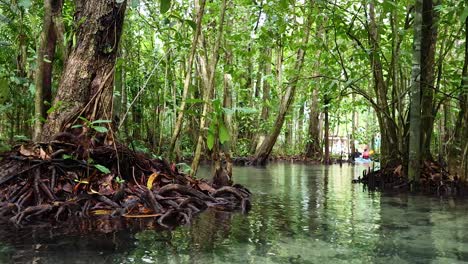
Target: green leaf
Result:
[[210, 141], [4, 19], [102, 169], [192, 24], [464, 15], [119, 180], [223, 133], [165, 5], [25, 4], [4, 91], [184, 167], [135, 3], [20, 137], [77, 126], [100, 129], [193, 101], [100, 121], [284, 4], [55, 107], [119, 1], [246, 110], [228, 111]]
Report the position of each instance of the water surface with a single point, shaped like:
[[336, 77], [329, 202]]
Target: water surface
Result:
[[300, 214]]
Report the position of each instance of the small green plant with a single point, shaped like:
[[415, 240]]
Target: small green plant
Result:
[[119, 180], [184, 167], [95, 125], [20, 138], [217, 126], [102, 168]]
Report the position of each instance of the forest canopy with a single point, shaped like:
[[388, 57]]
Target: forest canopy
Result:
[[194, 80]]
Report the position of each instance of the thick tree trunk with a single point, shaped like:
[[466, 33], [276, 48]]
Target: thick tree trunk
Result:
[[86, 85], [458, 155], [428, 48], [414, 165], [45, 58], [387, 125], [313, 149], [263, 152]]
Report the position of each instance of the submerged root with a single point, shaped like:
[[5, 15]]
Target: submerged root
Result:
[[42, 182], [435, 179]]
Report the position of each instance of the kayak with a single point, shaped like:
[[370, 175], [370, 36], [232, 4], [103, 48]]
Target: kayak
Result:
[[361, 160]]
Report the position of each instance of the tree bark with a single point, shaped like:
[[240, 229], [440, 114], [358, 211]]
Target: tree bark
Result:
[[265, 94], [210, 87], [414, 165], [458, 156], [313, 149], [326, 137], [227, 103], [86, 85], [188, 75], [265, 149], [45, 58], [388, 128], [353, 129], [428, 48]]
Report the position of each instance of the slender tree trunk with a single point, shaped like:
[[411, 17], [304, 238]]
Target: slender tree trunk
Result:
[[188, 75], [45, 58], [353, 129], [265, 149], [414, 165], [326, 138], [209, 91], [86, 85], [265, 99], [227, 103], [300, 126], [288, 134], [118, 87]]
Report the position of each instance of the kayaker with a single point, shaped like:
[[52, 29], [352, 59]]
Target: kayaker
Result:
[[365, 154]]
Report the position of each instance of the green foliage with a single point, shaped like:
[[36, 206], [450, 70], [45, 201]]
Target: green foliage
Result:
[[337, 64], [165, 6], [184, 167], [217, 129], [4, 91], [93, 125], [102, 168]]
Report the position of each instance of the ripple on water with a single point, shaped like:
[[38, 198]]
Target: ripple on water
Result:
[[300, 214]]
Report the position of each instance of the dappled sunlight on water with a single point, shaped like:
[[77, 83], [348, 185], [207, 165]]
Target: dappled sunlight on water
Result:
[[300, 214]]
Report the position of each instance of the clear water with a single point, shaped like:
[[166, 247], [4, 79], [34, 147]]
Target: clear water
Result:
[[300, 214]]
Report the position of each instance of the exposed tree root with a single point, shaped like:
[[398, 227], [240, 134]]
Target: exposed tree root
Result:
[[435, 179], [58, 181]]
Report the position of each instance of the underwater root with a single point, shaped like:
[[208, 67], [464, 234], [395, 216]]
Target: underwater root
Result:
[[58, 181], [435, 179]]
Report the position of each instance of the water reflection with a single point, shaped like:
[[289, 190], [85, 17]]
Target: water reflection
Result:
[[300, 214]]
